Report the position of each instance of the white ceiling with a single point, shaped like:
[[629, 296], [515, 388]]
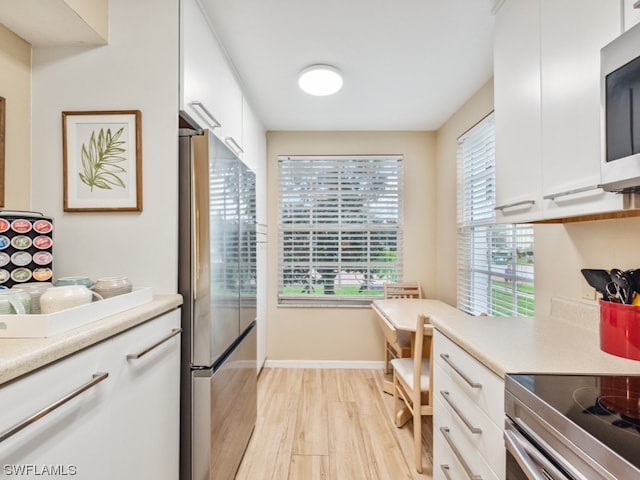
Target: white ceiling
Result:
[[407, 64]]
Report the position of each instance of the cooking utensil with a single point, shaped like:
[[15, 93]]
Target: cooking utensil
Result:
[[634, 279], [598, 279], [623, 283]]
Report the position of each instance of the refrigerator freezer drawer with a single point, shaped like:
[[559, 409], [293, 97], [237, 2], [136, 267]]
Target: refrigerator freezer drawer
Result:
[[224, 412]]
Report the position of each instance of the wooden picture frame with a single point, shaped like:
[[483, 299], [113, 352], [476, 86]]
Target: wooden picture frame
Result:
[[2, 126], [102, 161]]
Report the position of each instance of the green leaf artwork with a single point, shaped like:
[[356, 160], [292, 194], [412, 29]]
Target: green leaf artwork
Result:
[[101, 158]]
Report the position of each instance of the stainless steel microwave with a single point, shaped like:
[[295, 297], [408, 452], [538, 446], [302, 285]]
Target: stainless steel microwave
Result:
[[620, 90]]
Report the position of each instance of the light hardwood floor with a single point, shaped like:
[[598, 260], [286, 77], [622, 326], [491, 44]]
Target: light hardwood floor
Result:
[[330, 424]]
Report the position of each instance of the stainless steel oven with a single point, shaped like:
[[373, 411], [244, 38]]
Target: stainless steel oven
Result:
[[576, 427]]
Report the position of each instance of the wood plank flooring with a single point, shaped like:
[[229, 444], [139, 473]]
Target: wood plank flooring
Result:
[[330, 424]]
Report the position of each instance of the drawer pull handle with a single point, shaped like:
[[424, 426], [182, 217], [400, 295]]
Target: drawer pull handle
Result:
[[553, 196], [502, 208], [203, 110], [95, 379], [466, 421], [135, 356], [233, 145], [445, 471], [456, 452], [471, 383]]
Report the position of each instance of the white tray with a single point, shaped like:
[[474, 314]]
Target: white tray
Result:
[[49, 324]]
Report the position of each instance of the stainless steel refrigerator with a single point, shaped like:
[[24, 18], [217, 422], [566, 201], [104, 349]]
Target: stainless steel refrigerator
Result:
[[217, 278]]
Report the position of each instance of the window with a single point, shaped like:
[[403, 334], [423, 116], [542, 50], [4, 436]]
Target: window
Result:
[[495, 262], [340, 231]]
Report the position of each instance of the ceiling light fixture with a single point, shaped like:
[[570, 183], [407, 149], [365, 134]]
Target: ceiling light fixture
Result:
[[320, 80]]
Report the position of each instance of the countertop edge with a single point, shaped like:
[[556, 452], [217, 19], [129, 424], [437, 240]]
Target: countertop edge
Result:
[[540, 344], [19, 357]]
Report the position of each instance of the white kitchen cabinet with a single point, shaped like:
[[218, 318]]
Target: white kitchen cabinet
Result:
[[146, 400], [547, 102], [255, 156], [517, 112], [209, 91], [631, 14], [468, 415], [75, 438], [122, 422], [570, 85]]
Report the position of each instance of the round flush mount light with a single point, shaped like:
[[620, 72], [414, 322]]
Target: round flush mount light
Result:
[[320, 80]]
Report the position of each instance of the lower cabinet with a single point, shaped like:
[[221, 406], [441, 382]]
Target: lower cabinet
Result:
[[468, 416], [98, 414]]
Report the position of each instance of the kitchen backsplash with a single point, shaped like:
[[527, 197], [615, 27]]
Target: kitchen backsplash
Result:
[[579, 313]]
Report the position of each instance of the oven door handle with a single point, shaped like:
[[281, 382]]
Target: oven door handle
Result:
[[517, 445]]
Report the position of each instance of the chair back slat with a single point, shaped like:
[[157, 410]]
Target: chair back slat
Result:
[[402, 290]]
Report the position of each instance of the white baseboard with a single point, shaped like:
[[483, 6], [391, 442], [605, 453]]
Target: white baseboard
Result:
[[362, 365]]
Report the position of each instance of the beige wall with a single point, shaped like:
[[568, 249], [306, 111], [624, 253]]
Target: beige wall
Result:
[[476, 108], [15, 87], [344, 334], [562, 250]]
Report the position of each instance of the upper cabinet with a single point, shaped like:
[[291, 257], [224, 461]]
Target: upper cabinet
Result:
[[631, 14], [547, 102], [57, 22], [209, 91], [516, 63], [570, 84]]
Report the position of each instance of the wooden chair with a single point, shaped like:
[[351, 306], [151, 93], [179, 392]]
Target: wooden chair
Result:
[[398, 344], [412, 383]]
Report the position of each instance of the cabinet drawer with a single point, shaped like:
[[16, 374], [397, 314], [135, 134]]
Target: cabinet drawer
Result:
[[482, 432], [487, 390], [453, 447], [75, 434]]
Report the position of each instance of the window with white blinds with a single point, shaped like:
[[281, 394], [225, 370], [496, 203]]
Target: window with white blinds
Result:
[[495, 262], [340, 230]]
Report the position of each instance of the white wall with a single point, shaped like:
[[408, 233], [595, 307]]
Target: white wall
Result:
[[137, 70]]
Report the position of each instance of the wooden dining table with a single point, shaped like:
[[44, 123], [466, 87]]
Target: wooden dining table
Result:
[[402, 315]]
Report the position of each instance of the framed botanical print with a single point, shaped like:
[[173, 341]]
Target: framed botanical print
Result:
[[102, 161]]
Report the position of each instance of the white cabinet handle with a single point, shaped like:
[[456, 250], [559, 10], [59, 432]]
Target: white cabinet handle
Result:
[[203, 111], [233, 145], [553, 196], [471, 383], [445, 471], [462, 417], [135, 356], [502, 208], [456, 452], [95, 379]]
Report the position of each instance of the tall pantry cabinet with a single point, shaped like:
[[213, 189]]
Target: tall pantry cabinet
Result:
[[211, 95]]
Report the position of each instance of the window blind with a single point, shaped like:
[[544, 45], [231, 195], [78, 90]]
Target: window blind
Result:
[[340, 231], [495, 262]]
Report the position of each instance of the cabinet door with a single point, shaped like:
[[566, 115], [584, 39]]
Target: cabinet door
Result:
[[74, 439], [572, 34], [631, 14], [517, 111], [146, 400], [210, 93]]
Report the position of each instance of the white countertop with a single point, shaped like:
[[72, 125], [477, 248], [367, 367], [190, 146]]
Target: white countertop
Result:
[[19, 356], [549, 344]]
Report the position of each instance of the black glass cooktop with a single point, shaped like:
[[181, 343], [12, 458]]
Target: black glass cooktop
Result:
[[606, 407]]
